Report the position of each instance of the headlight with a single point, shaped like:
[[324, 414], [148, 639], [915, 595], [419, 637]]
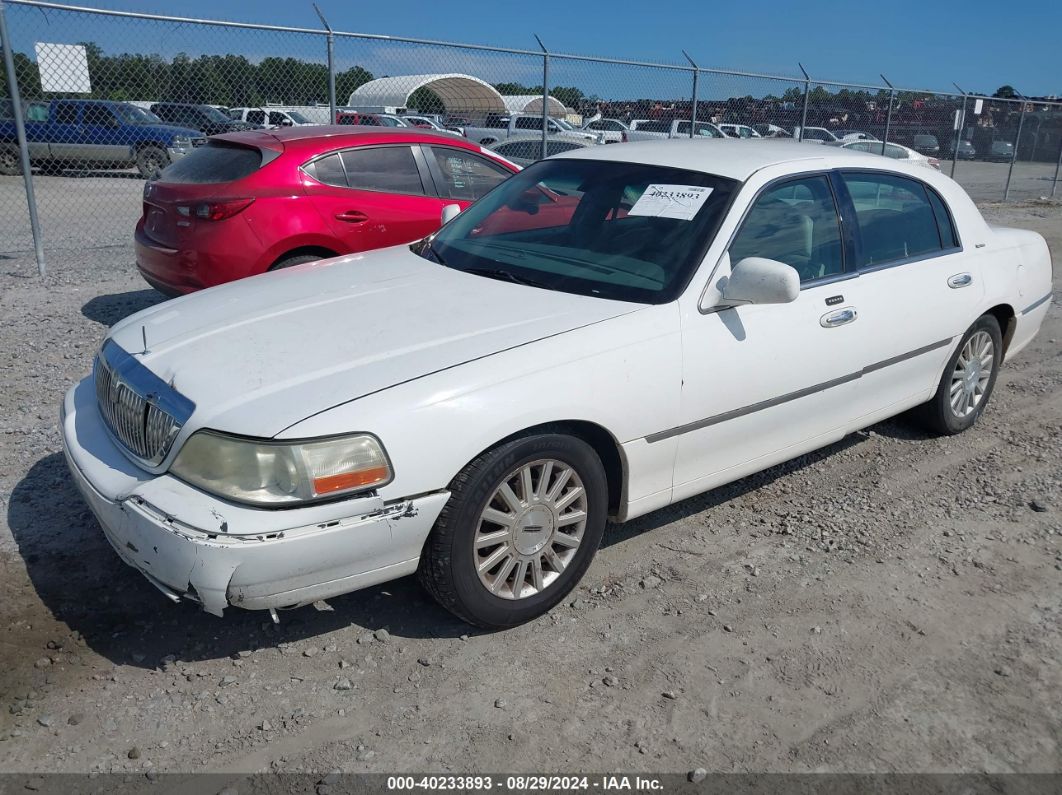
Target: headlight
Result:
[[277, 474], [182, 141]]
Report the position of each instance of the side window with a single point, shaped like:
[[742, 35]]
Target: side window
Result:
[[465, 175], [37, 112], [795, 223], [385, 168], [328, 170], [526, 150], [706, 130], [555, 147], [948, 235], [256, 116], [277, 119], [100, 116], [896, 152], [528, 123], [894, 216], [66, 113]]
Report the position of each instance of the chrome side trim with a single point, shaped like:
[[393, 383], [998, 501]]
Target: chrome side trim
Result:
[[1035, 304], [678, 430]]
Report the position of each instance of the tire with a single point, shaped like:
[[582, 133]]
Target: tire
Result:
[[974, 389], [496, 598], [297, 259], [150, 161], [10, 164]]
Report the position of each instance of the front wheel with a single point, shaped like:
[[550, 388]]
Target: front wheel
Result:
[[968, 379], [519, 531], [150, 161]]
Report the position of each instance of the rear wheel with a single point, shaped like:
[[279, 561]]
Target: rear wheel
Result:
[[968, 380], [519, 531], [10, 164], [297, 259], [150, 161]]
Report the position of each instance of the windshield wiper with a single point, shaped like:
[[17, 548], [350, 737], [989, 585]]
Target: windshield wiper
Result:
[[504, 275]]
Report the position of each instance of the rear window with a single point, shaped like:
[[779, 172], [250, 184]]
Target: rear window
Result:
[[215, 162]]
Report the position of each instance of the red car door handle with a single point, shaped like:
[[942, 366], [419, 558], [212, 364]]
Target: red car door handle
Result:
[[352, 216]]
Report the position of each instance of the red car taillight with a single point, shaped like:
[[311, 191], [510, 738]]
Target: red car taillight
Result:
[[215, 209], [934, 163]]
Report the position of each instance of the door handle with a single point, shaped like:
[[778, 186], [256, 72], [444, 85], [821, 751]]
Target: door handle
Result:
[[352, 216], [839, 318], [960, 280]]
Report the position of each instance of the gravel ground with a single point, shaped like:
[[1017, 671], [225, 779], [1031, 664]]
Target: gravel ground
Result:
[[890, 603]]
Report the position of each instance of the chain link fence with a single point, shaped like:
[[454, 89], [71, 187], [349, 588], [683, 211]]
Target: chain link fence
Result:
[[107, 99]]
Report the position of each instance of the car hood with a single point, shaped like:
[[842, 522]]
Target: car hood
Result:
[[170, 130], [259, 355]]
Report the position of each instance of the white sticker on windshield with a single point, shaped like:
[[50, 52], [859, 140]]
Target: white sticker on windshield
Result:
[[671, 201]]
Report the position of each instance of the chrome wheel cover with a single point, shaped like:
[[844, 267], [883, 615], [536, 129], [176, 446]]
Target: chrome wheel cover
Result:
[[971, 375], [530, 530]]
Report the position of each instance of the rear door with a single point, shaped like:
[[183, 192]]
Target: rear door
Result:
[[374, 196], [920, 287], [65, 131]]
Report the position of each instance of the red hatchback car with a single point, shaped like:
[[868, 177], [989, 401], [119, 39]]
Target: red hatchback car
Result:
[[249, 202]]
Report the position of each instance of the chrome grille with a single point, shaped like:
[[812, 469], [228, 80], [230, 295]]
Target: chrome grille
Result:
[[142, 412]]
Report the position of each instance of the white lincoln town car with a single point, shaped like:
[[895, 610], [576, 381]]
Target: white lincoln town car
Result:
[[605, 333]]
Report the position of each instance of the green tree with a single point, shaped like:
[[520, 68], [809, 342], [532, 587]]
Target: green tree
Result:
[[1006, 92]]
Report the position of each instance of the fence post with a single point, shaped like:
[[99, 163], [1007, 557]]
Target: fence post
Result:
[[545, 97], [1014, 154], [958, 132], [693, 108], [1058, 165], [331, 41], [807, 92], [20, 133], [888, 113]]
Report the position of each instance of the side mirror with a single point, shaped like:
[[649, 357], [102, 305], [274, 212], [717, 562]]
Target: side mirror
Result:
[[450, 212], [756, 280]]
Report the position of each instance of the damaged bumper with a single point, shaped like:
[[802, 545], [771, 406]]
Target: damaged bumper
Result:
[[192, 545]]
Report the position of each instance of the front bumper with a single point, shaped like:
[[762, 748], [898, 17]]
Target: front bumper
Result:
[[189, 544]]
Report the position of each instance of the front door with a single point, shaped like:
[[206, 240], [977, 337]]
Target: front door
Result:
[[763, 383]]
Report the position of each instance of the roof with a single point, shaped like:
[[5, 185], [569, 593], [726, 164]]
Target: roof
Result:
[[310, 133], [736, 158], [532, 103], [459, 93]]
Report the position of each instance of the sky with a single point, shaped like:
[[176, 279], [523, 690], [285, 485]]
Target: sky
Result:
[[979, 44]]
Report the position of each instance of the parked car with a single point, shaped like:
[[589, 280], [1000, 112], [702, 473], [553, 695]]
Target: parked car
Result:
[[771, 131], [499, 128], [475, 406], [270, 118], [738, 131], [649, 130], [430, 123], [852, 135], [526, 149], [895, 151], [925, 144], [251, 202], [94, 133], [815, 135], [613, 130], [966, 150], [205, 118]]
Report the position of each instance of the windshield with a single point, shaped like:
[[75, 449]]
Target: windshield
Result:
[[625, 231], [131, 114], [214, 114], [297, 117]]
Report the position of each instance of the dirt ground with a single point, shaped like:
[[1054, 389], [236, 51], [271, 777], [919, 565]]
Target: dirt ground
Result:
[[891, 603]]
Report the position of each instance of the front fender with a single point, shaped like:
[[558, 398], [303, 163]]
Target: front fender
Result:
[[622, 374]]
